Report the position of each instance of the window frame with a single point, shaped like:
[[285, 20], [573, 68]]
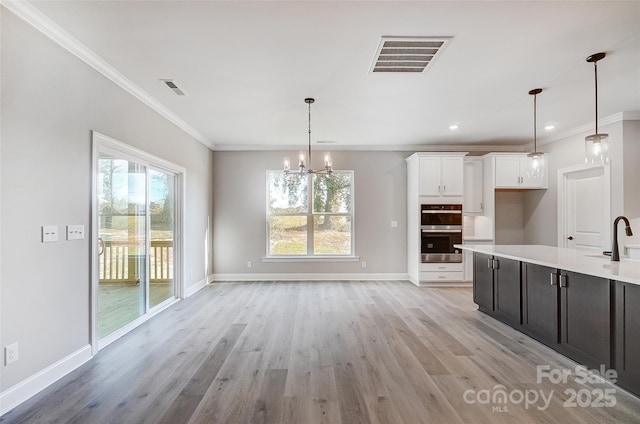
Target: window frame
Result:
[[310, 215]]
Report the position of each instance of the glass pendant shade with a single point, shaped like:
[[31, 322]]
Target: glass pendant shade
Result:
[[536, 165], [596, 150]]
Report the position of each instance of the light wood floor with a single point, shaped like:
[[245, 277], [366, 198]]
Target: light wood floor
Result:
[[316, 352]]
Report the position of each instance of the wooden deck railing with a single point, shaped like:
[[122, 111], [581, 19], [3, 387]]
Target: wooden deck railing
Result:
[[117, 265]]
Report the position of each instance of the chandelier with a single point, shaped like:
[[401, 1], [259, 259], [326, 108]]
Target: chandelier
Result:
[[303, 166]]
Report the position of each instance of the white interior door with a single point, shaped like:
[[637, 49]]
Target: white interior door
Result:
[[584, 208]]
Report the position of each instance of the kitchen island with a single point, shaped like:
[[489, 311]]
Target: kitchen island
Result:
[[577, 302]]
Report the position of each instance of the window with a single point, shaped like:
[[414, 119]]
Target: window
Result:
[[310, 215]]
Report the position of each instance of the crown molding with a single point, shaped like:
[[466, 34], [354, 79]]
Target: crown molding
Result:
[[588, 128], [39, 21], [380, 148]]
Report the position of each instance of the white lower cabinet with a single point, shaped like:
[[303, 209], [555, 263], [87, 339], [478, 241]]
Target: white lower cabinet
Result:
[[441, 272]]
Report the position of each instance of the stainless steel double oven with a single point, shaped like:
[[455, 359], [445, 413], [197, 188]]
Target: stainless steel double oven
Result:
[[441, 228]]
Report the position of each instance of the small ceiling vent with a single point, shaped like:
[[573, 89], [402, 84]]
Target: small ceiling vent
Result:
[[407, 54], [173, 86]]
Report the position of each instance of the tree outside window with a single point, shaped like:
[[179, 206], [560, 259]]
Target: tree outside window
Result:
[[304, 222]]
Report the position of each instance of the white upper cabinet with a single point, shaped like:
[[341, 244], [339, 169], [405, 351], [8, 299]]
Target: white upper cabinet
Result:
[[511, 172], [473, 185], [430, 176], [441, 175]]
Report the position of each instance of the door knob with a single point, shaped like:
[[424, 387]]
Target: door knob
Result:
[[570, 238]]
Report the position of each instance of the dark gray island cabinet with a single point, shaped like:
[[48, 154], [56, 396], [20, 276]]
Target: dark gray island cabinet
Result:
[[627, 335], [593, 320], [493, 288], [569, 312]]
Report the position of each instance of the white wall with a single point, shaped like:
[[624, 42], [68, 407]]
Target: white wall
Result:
[[240, 208], [50, 103], [509, 217]]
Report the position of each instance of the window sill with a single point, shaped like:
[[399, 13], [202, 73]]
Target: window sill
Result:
[[327, 258]]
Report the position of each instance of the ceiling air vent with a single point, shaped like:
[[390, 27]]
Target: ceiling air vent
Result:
[[173, 86], [407, 54]]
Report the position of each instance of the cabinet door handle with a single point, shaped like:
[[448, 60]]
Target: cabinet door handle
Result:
[[490, 263], [444, 188], [496, 264], [553, 279], [438, 189], [563, 280]]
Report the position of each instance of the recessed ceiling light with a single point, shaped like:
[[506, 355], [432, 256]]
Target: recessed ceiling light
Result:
[[549, 127], [453, 127]]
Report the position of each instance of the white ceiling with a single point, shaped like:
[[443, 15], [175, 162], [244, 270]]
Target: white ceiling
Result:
[[247, 66]]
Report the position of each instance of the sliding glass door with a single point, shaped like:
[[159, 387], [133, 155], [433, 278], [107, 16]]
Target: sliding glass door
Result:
[[122, 242], [162, 234], [136, 205]]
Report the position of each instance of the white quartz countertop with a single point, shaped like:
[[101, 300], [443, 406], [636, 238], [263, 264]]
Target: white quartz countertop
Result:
[[582, 261]]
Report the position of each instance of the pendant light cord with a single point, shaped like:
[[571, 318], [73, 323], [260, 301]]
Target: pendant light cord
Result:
[[535, 93], [595, 71], [309, 135], [535, 118]]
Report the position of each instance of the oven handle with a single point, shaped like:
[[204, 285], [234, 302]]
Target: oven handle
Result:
[[442, 231], [442, 211]]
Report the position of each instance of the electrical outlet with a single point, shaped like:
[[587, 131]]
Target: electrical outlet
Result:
[[394, 224], [11, 353], [248, 264], [75, 232], [49, 233], [364, 264]]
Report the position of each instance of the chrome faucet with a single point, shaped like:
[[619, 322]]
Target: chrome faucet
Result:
[[615, 254]]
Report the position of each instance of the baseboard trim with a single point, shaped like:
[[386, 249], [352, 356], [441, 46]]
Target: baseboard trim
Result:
[[28, 388], [308, 277], [194, 288], [445, 285]]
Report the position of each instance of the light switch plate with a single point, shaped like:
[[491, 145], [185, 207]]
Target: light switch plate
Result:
[[75, 232], [49, 233]]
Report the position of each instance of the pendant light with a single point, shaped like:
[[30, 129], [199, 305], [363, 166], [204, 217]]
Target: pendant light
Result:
[[596, 146], [536, 158], [303, 166]]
